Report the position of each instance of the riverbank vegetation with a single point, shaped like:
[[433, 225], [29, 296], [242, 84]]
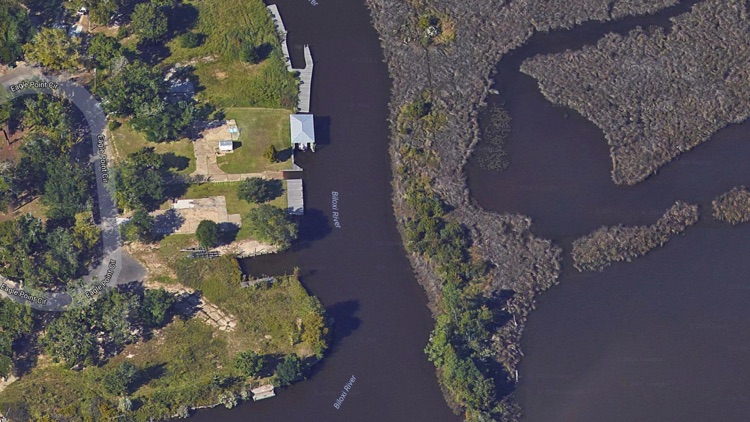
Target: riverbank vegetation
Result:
[[655, 93], [607, 245], [733, 207], [481, 271]]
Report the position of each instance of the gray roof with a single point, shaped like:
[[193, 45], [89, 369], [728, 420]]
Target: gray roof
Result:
[[226, 144], [303, 128]]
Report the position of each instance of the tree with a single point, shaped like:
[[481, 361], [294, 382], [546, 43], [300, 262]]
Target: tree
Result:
[[54, 49], [15, 29], [163, 120], [50, 118], [271, 154], [66, 192], [207, 234], [255, 190], [149, 22], [30, 174], [48, 10], [101, 11], [140, 180], [133, 88], [119, 380], [249, 363], [103, 50], [270, 224], [85, 232], [139, 228], [289, 370], [156, 308]]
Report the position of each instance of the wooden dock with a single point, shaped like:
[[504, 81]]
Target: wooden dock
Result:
[[306, 73]]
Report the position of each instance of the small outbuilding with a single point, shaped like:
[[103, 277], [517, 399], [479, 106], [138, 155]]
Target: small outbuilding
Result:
[[226, 146], [302, 131]]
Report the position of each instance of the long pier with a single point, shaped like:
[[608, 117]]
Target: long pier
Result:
[[306, 73]]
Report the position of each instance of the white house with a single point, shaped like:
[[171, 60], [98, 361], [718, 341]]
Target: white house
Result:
[[302, 131]]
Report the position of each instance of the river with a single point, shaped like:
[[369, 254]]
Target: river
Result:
[[664, 338], [360, 270]]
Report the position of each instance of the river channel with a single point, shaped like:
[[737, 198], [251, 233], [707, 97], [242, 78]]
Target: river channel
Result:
[[664, 338], [359, 271]]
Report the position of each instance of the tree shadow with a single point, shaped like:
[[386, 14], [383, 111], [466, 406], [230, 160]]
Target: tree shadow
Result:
[[176, 190], [175, 162], [285, 154], [314, 226], [183, 18], [264, 50], [153, 52], [345, 321], [322, 130], [147, 374], [167, 223]]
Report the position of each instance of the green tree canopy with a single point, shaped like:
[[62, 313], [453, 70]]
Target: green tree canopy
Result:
[[157, 307], [120, 380], [249, 363], [49, 117], [67, 190], [15, 30], [54, 49], [163, 120], [289, 370], [140, 180], [272, 225], [140, 227], [207, 233], [258, 190], [149, 22], [103, 49], [133, 88]]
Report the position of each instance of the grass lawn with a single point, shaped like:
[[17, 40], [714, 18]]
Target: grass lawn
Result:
[[226, 81], [177, 154], [259, 128], [234, 204]]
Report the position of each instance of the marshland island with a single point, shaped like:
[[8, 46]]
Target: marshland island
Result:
[[653, 81]]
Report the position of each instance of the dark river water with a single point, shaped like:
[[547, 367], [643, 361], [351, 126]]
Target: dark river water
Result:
[[664, 338], [359, 271]]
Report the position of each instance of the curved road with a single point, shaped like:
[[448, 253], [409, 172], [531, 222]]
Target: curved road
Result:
[[26, 81]]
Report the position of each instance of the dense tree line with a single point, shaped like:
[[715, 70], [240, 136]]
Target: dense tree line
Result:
[[90, 335], [140, 181], [16, 322], [733, 206], [606, 245]]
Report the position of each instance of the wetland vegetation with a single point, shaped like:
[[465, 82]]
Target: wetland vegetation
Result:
[[607, 245], [733, 207], [656, 93]]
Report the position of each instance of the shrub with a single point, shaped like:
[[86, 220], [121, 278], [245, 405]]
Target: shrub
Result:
[[256, 190], [249, 363], [271, 154], [190, 40], [207, 233]]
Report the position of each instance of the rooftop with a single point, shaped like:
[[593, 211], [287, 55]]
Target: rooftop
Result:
[[302, 128]]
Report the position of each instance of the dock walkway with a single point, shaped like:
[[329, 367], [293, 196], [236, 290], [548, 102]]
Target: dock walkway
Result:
[[306, 73]]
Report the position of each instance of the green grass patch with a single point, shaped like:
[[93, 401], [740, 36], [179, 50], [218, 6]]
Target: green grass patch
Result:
[[259, 128], [228, 82], [178, 155], [234, 204]]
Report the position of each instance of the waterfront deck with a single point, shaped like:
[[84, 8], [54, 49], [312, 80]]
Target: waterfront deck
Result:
[[306, 73], [294, 197]]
